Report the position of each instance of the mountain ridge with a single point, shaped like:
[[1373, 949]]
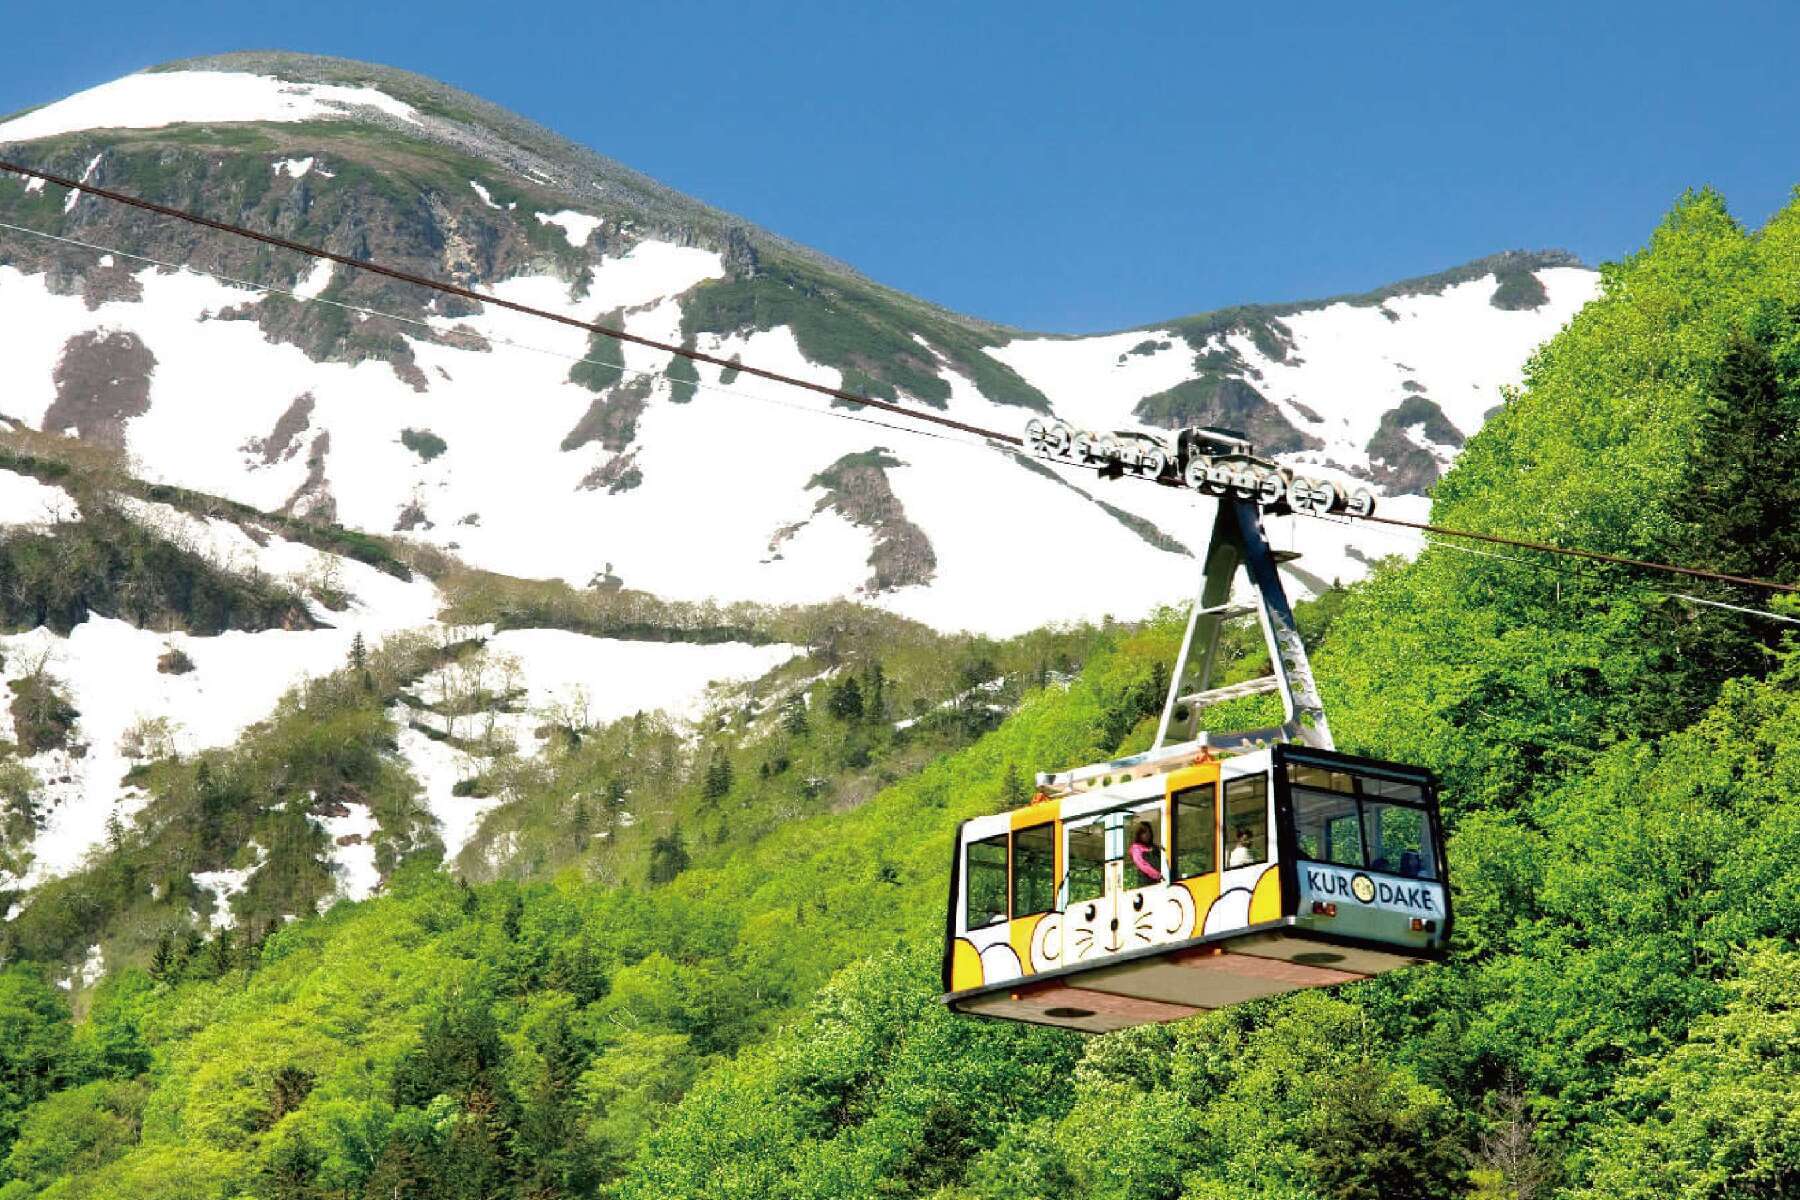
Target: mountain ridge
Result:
[[448, 100]]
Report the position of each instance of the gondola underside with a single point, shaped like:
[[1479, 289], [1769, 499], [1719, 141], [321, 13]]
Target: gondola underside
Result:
[[1173, 982]]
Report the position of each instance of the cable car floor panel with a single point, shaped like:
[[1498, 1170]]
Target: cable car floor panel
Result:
[[1170, 987]]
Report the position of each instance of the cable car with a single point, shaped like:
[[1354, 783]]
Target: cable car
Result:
[[1204, 872]]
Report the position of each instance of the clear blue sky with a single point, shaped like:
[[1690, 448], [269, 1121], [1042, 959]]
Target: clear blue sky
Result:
[[1085, 166]]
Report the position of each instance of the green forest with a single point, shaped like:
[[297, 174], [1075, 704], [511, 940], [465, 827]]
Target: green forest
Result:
[[744, 1002]]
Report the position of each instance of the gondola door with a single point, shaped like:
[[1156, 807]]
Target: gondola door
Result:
[[1143, 912], [1246, 848], [1093, 853]]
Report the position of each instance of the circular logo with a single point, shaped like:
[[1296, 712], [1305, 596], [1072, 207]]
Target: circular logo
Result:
[[1363, 888]]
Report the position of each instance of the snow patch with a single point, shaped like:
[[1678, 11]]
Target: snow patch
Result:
[[318, 278], [151, 101], [75, 193], [295, 167], [577, 227], [486, 197], [225, 884], [606, 679], [88, 973], [109, 670], [27, 501], [352, 851]]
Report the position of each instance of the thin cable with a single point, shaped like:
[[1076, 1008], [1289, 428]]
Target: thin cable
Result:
[[1593, 555], [1764, 613], [451, 289], [437, 333], [835, 393], [1755, 612]]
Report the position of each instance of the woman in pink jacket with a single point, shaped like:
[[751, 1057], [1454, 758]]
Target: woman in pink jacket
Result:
[[1145, 856]]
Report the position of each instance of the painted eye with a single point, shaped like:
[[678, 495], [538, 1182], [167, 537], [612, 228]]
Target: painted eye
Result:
[[1090, 913], [1137, 902]]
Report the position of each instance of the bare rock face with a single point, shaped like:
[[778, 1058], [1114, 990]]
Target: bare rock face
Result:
[[283, 441], [857, 488], [612, 418], [102, 380], [1228, 401], [618, 474], [1396, 459], [313, 499]]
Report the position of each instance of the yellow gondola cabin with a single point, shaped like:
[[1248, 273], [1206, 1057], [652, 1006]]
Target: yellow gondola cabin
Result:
[[1218, 868], [1280, 869]]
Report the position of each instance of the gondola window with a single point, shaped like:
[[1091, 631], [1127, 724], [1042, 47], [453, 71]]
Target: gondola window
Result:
[[1398, 840], [1034, 870], [1194, 833], [986, 882], [1246, 812], [1328, 827], [1087, 862]]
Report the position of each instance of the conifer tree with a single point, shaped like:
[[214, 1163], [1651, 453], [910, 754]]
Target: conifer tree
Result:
[[162, 958], [793, 715], [718, 777], [846, 701], [668, 857]]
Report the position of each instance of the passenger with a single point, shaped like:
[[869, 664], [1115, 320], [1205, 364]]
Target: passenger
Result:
[[1241, 854], [1411, 864], [1144, 854]]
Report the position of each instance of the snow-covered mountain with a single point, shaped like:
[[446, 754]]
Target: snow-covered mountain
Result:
[[324, 397], [521, 448]]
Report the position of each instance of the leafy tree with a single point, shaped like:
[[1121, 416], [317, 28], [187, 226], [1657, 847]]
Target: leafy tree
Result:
[[34, 1045], [1715, 1117], [668, 857], [76, 1131]]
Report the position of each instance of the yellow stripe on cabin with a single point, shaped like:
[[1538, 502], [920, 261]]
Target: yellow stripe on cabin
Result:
[[1018, 935], [1265, 901], [965, 965]]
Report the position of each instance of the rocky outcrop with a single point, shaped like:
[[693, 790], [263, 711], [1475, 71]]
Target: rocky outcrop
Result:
[[283, 441], [1396, 459], [102, 380], [611, 419], [856, 488], [1228, 401]]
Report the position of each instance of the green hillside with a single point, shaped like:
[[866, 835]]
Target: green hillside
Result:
[[742, 1003]]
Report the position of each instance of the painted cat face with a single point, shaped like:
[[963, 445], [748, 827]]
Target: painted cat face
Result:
[[1155, 916], [1091, 929], [1047, 943], [1094, 929]]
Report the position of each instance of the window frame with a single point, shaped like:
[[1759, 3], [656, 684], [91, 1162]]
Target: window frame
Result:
[[1065, 829], [1225, 820], [1175, 874], [1005, 842], [1287, 759], [1154, 811], [1012, 870], [1368, 808]]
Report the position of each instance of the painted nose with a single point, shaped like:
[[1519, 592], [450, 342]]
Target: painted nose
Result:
[[1115, 923]]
